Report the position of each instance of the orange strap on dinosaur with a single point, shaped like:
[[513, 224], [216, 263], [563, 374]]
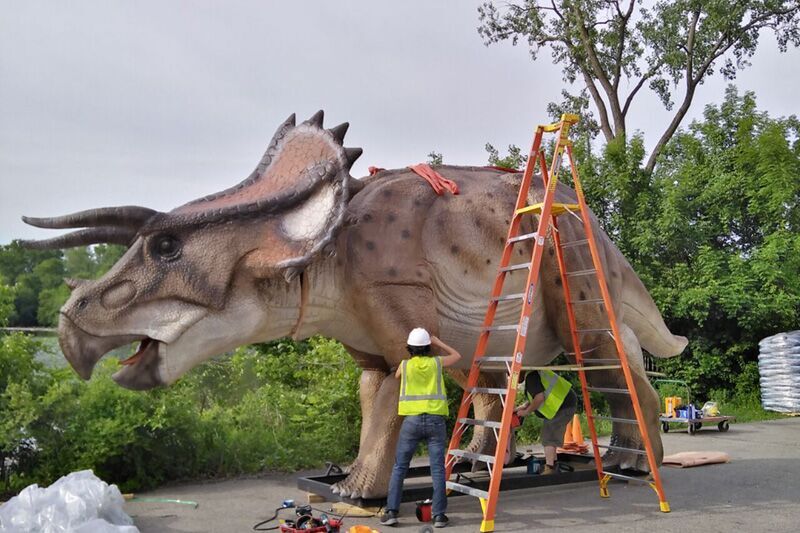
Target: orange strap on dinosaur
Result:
[[438, 183]]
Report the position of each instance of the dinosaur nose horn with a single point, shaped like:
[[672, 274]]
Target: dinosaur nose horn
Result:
[[74, 283]]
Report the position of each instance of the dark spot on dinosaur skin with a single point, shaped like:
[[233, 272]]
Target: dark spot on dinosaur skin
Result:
[[614, 274], [582, 295], [490, 195], [387, 193], [506, 222], [477, 223], [454, 249], [367, 217], [392, 272], [521, 251], [418, 273], [390, 218], [417, 203], [405, 234], [370, 245], [502, 240], [469, 201], [465, 272], [491, 210], [488, 261], [551, 251], [558, 281], [339, 262]]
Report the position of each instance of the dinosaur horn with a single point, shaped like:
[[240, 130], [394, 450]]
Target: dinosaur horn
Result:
[[84, 237], [129, 216], [339, 131]]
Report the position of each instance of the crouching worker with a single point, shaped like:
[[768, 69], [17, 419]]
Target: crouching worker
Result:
[[423, 403], [551, 398]]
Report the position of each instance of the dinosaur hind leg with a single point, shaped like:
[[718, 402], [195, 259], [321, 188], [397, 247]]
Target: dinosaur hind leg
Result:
[[485, 407]]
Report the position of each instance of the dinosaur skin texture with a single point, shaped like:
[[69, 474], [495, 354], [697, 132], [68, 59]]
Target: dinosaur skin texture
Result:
[[301, 248]]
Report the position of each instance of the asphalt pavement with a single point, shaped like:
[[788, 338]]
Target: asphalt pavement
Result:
[[759, 490]]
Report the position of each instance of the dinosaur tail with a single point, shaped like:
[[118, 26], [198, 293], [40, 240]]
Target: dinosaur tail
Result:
[[643, 317]]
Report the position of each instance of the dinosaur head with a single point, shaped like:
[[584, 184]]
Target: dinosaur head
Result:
[[187, 287]]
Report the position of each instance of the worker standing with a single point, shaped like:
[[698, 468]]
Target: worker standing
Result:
[[552, 399], [423, 403]]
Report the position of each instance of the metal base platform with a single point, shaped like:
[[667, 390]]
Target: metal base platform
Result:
[[515, 476]]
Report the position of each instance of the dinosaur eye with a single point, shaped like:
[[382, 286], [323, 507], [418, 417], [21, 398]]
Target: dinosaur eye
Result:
[[166, 247]]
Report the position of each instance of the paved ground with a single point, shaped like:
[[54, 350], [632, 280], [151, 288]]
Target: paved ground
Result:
[[758, 491]]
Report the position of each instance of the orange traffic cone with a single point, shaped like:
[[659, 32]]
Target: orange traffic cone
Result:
[[568, 442], [577, 433]]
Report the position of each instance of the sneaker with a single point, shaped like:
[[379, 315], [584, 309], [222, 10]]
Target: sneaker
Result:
[[441, 520], [389, 518]]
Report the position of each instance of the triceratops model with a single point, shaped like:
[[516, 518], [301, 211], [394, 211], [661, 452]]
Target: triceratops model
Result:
[[301, 248]]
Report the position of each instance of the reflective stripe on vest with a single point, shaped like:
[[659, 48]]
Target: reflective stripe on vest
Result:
[[422, 392], [556, 390]]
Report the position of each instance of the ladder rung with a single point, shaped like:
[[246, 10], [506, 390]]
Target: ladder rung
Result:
[[523, 237], [631, 421], [591, 301], [519, 266], [475, 456], [484, 423], [590, 350], [514, 296], [596, 330], [574, 243], [605, 389], [627, 478], [599, 361], [622, 449], [458, 487], [555, 208], [494, 359], [510, 327], [581, 272], [488, 390]]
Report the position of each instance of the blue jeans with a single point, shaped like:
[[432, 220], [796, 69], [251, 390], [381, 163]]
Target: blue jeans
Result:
[[433, 430]]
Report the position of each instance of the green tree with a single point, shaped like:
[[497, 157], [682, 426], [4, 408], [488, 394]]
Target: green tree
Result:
[[612, 48]]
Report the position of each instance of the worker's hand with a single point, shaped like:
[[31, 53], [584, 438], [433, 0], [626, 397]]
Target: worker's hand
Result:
[[435, 341]]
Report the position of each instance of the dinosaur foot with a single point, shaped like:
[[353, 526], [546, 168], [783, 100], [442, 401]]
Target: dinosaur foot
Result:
[[361, 482], [626, 460]]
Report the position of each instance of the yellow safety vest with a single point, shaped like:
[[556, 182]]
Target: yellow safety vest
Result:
[[556, 389], [422, 387]]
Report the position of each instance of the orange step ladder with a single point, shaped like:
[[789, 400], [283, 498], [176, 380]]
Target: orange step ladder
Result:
[[548, 210]]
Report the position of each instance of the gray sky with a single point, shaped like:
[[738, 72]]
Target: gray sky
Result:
[[156, 103]]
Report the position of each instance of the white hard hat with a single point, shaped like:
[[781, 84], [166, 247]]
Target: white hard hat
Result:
[[419, 337]]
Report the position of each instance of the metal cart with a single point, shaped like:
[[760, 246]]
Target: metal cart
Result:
[[694, 424]]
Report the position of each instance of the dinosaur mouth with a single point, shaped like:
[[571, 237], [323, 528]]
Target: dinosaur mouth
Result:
[[143, 351]]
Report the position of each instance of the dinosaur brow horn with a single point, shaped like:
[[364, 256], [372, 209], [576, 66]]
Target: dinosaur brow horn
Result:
[[129, 216], [84, 237]]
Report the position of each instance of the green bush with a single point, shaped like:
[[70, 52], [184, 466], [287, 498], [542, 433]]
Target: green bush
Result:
[[278, 406]]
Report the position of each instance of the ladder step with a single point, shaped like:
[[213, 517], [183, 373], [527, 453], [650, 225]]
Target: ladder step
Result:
[[494, 359], [581, 272], [519, 266], [599, 361], [514, 296], [622, 449], [458, 487], [488, 390], [523, 237], [631, 421], [627, 478], [475, 456], [591, 301], [509, 327], [574, 243], [555, 209], [595, 330], [484, 423], [605, 389]]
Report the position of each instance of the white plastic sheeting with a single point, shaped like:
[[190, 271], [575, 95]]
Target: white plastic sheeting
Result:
[[77, 503], [779, 367]]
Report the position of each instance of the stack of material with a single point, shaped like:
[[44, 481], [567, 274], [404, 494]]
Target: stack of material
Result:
[[779, 366]]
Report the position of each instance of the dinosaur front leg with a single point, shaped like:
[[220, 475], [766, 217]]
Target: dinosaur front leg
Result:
[[369, 474], [373, 370]]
